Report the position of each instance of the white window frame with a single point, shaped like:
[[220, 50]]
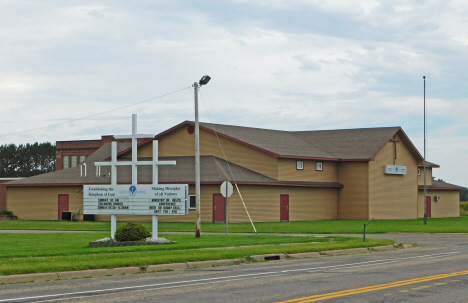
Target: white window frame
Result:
[[419, 172], [194, 197], [65, 162], [319, 166], [73, 161], [300, 165]]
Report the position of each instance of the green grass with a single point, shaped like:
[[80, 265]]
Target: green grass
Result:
[[32, 253], [434, 225], [53, 244]]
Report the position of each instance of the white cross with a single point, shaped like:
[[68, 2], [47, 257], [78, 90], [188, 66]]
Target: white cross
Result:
[[134, 163]]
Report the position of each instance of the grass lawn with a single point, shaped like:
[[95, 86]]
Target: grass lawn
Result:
[[52, 252], [434, 225]]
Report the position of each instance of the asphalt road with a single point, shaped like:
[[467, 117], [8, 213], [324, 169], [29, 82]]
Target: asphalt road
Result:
[[435, 271]]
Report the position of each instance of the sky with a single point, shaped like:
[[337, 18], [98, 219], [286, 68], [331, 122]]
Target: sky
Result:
[[76, 70]]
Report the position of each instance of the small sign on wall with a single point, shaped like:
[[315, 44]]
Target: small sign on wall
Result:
[[395, 170]]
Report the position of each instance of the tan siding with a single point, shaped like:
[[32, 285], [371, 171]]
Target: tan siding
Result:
[[353, 197], [313, 204], [447, 207], [393, 196], [181, 143], [263, 203], [428, 176], [287, 171], [41, 203]]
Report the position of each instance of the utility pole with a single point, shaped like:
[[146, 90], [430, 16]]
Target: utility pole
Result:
[[425, 165], [203, 81], [197, 164]]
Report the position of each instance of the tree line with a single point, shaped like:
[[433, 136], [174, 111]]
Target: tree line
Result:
[[26, 160]]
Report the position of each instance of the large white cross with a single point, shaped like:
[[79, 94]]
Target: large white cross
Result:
[[134, 163]]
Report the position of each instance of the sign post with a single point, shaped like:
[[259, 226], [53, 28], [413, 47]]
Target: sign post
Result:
[[226, 191]]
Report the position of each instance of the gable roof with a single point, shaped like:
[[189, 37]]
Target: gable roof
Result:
[[361, 144]]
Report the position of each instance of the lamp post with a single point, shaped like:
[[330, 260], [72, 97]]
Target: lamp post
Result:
[[424, 163], [203, 81]]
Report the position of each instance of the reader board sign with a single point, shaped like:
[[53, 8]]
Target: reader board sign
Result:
[[395, 170], [153, 200]]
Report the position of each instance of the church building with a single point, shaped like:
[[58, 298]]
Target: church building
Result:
[[281, 175]]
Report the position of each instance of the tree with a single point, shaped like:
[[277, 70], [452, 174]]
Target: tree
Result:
[[464, 195], [26, 160]]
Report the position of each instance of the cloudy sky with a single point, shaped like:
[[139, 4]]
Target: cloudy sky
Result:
[[76, 70]]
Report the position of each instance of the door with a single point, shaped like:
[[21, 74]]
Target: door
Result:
[[428, 206], [62, 205], [219, 208], [284, 207]]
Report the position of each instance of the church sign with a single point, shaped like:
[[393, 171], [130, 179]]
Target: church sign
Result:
[[135, 199], [395, 170], [162, 199]]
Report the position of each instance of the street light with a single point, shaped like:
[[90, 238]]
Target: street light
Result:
[[203, 81]]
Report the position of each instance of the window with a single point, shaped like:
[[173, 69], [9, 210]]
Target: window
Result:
[[82, 158], [319, 166], [193, 202], [300, 165], [74, 161], [65, 162], [419, 172]]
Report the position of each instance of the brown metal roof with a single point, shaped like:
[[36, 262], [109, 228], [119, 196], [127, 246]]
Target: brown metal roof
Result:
[[276, 142], [213, 171], [428, 164], [343, 144], [441, 185], [350, 144]]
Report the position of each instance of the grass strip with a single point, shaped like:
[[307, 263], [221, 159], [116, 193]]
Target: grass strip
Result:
[[53, 244], [434, 225], [109, 257]]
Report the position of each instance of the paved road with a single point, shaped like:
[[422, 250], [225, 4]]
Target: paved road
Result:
[[436, 271]]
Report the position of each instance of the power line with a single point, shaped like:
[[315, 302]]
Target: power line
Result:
[[94, 115], [229, 166]]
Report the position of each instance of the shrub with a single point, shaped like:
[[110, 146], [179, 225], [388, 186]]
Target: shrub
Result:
[[132, 232], [6, 212], [464, 209]]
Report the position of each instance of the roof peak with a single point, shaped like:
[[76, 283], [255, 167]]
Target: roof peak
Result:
[[294, 131]]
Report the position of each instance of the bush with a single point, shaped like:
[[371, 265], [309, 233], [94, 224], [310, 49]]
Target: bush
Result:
[[132, 232], [6, 212], [464, 209]]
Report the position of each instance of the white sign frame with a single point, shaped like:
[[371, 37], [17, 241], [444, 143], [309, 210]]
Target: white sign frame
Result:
[[395, 170], [140, 200]]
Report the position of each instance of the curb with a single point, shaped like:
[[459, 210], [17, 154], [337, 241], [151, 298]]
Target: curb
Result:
[[345, 251], [94, 273], [269, 257], [211, 263]]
